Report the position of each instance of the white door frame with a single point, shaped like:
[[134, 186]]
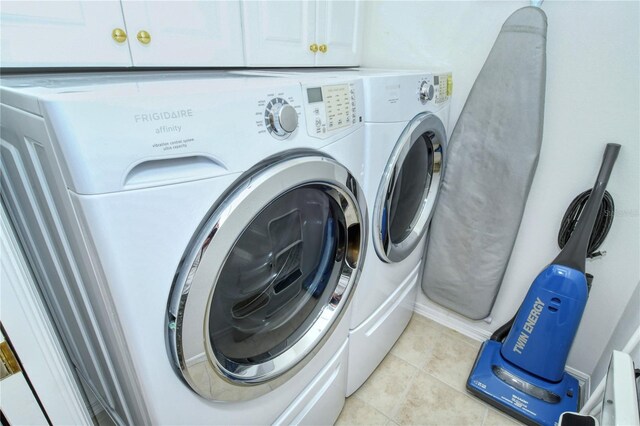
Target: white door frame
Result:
[[27, 324]]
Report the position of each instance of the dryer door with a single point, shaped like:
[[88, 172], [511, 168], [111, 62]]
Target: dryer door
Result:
[[409, 188], [266, 278]]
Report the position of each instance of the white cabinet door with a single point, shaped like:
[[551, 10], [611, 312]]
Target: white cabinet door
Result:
[[279, 33], [61, 34], [185, 33], [339, 28]]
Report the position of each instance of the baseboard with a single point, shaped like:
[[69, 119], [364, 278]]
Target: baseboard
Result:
[[450, 320], [585, 383]]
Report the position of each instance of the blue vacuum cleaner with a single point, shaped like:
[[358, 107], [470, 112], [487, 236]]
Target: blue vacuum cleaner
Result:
[[523, 374]]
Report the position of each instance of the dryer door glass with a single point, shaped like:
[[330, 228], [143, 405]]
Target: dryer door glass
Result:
[[266, 278], [409, 188]]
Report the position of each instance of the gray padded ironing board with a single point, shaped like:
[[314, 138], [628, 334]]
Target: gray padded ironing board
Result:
[[492, 158]]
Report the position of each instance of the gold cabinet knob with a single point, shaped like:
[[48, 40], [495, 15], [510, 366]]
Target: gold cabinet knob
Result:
[[144, 37], [119, 35], [323, 48], [313, 48]]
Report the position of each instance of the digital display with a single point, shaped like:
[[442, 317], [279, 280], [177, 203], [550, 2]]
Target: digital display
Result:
[[314, 94], [436, 80]]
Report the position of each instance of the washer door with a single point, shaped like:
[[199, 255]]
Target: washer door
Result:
[[266, 278], [409, 188]]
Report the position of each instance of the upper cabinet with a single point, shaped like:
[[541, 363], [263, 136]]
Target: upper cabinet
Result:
[[302, 33], [186, 33], [339, 28], [279, 32], [63, 34]]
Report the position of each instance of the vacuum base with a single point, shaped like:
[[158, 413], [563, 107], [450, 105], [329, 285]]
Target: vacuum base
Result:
[[523, 396]]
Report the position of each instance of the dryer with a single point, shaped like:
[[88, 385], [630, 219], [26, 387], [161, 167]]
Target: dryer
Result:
[[195, 239], [406, 116]]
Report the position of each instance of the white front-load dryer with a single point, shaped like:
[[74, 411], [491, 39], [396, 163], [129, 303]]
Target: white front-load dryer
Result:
[[195, 243], [406, 114]]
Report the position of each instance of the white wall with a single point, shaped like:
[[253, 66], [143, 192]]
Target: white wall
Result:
[[627, 325], [592, 97]]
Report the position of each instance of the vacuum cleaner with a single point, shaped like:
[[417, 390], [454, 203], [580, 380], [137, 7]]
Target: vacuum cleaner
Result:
[[523, 374]]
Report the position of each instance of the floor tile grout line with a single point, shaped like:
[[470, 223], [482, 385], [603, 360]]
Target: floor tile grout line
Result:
[[403, 399], [442, 333], [471, 397], [454, 333], [463, 393], [464, 339], [486, 414], [438, 329], [423, 367], [418, 366], [353, 395]]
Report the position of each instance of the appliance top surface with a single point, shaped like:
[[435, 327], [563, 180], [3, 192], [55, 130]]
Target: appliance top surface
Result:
[[132, 81], [353, 72], [72, 79]]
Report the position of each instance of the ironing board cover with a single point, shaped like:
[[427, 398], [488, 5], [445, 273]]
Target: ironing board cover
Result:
[[492, 158]]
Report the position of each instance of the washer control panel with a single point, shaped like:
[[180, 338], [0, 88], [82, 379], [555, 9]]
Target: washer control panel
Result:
[[329, 108]]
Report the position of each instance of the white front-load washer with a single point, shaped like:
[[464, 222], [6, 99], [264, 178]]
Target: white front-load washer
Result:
[[197, 246], [406, 116]]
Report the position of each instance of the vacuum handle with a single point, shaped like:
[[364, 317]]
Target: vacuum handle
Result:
[[609, 159], [574, 252]]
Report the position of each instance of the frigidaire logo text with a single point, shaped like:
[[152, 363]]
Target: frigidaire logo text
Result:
[[528, 327], [163, 115]]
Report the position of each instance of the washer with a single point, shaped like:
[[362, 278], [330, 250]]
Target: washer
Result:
[[406, 113], [195, 241]]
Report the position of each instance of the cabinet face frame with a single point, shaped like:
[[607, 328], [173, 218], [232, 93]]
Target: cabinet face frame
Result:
[[62, 34], [191, 33]]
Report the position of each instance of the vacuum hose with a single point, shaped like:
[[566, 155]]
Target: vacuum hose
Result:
[[601, 227]]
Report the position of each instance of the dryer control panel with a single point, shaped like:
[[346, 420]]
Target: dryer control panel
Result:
[[435, 88], [330, 108]]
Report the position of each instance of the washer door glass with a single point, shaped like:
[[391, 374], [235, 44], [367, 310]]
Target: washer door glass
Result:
[[266, 278], [277, 278], [409, 187]]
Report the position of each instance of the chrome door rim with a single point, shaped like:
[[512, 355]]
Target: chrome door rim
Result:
[[395, 252], [192, 291]]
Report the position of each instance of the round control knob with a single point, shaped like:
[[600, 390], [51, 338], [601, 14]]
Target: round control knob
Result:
[[426, 92], [285, 119], [282, 118]]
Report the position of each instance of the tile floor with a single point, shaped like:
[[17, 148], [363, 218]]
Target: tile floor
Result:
[[422, 382]]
